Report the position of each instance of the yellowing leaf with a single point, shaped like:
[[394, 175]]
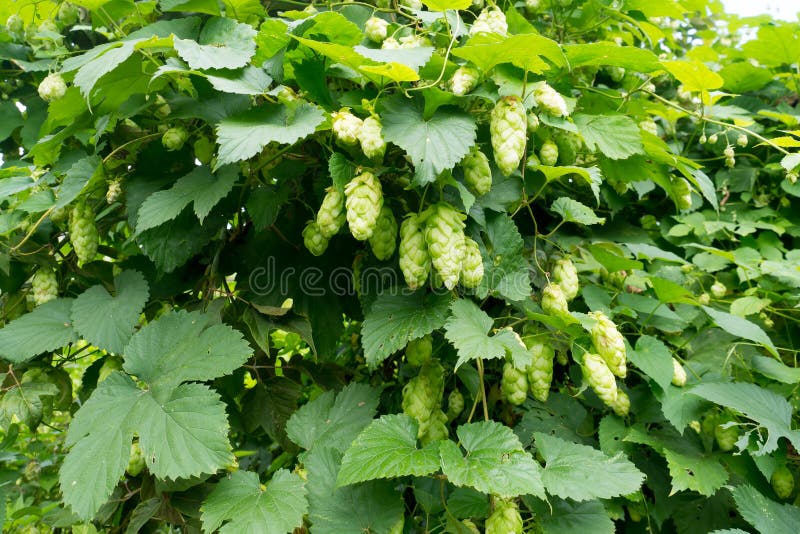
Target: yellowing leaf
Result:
[[441, 5], [694, 75], [394, 71]]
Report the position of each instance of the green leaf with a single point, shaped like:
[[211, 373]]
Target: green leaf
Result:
[[749, 305], [654, 358], [242, 505], [524, 51], [559, 516], [108, 322], [616, 136], [767, 516], [10, 119], [573, 211], [209, 7], [107, 60], [172, 244], [741, 327], [395, 319], [243, 136], [592, 175], [668, 291], [223, 44], [694, 75], [506, 272], [611, 54], [442, 5], [698, 473], [46, 328], [777, 44], [435, 144], [495, 461], [184, 346], [413, 58], [333, 421], [25, 402], [790, 161], [80, 174], [571, 471], [774, 369], [766, 408], [387, 448], [611, 257], [467, 329]]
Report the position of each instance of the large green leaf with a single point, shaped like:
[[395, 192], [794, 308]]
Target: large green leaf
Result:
[[524, 51], [741, 327], [573, 211], [611, 54], [243, 505], [694, 75], [777, 44], [110, 58], [654, 358], [223, 44], [46, 328], [506, 273], [560, 516], [616, 136], [108, 322], [767, 516], [27, 402], [387, 448]]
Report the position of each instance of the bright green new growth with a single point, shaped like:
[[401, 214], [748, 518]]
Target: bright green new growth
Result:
[[509, 128], [364, 200], [384, 237], [331, 215], [477, 172], [83, 232], [414, 261], [444, 237]]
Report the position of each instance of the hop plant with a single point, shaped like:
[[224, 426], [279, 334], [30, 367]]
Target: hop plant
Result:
[[435, 428], [463, 81], [384, 237], [414, 41], [649, 126], [540, 372], [53, 87], [136, 463], [455, 404], [203, 149], [678, 373], [315, 242], [363, 201], [15, 24], [554, 302], [600, 378], [413, 4], [566, 275], [376, 29], [346, 127], [713, 138], [508, 130], [422, 396], [466, 523], [548, 153], [68, 14], [472, 265], [114, 190], [390, 43], [490, 20], [742, 140], [418, 351], [550, 101], [505, 519], [477, 172], [330, 216], [718, 289], [514, 384], [622, 405], [609, 343], [174, 138], [726, 436], [83, 232], [44, 285], [415, 263], [444, 236], [372, 143], [782, 481], [533, 122]]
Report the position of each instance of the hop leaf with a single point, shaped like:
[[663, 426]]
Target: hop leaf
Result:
[[508, 128], [414, 259], [83, 233], [384, 237], [313, 239], [364, 200], [330, 216]]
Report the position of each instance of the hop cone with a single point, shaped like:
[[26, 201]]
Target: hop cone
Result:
[[554, 302], [174, 138], [371, 139], [444, 235], [364, 200], [455, 404], [315, 242], [346, 127], [490, 21], [622, 405], [505, 519], [678, 373], [418, 351], [477, 172], [514, 384], [52, 87], [600, 378], [435, 428], [549, 100], [114, 190], [782, 481], [330, 216], [463, 81], [83, 232], [375, 29], [609, 343], [540, 373], [683, 193], [384, 237], [726, 437], [508, 129], [548, 154], [472, 265], [566, 275], [414, 260], [533, 122], [44, 286]]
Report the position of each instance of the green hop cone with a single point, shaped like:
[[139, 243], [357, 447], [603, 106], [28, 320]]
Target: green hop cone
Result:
[[622, 405], [346, 127], [415, 263], [174, 138], [384, 237], [330, 216], [203, 149], [514, 384], [508, 128], [649, 126], [363, 201], [726, 436], [505, 519], [477, 172], [782, 481], [52, 87], [418, 351], [550, 101], [600, 378], [470, 526], [554, 302], [444, 236], [112, 363], [15, 24], [719, 290], [683, 193], [566, 275], [418, 400], [533, 122], [609, 343], [376, 29], [136, 462], [114, 190], [68, 14], [616, 73], [83, 232], [44, 286], [435, 429], [315, 242], [463, 81], [472, 265], [455, 404], [490, 20], [678, 374], [540, 372], [548, 153], [372, 143]]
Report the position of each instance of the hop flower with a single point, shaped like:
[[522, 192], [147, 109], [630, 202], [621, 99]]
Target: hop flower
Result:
[[742, 140], [554, 302], [414, 41], [83, 232], [600, 378], [718, 289], [472, 265], [174, 138], [540, 373], [44, 285], [726, 436], [678, 373], [418, 351], [15, 24], [463, 81], [375, 29], [514, 384], [609, 343], [414, 260], [346, 126], [622, 405], [649, 126], [490, 20], [68, 14], [372, 142], [533, 122], [435, 428], [713, 139], [114, 190], [531, 6], [52, 87], [508, 129], [455, 404], [566, 275], [422, 396], [384, 237], [203, 149], [330, 216], [413, 4], [782, 481], [390, 43], [444, 235], [505, 519], [364, 200], [477, 172], [550, 100], [616, 73], [315, 242], [548, 154], [683, 193]]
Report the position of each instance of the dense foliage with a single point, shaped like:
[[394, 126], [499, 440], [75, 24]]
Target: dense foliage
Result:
[[399, 266]]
